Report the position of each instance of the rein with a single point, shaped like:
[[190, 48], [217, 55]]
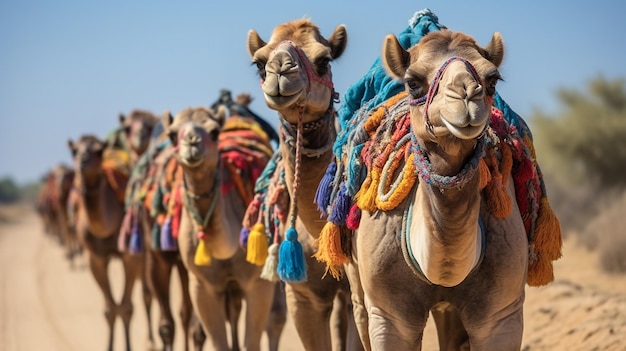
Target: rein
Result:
[[434, 88], [201, 222], [422, 164]]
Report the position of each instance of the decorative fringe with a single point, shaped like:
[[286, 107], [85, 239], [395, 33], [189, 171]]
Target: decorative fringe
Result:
[[484, 173], [243, 237], [548, 239], [203, 255], [271, 264], [498, 200], [324, 189], [291, 262], [136, 241], [252, 212], [257, 245], [156, 204], [340, 211], [125, 230], [156, 231], [354, 218], [167, 240], [366, 197], [540, 270], [355, 169], [177, 212], [330, 251]]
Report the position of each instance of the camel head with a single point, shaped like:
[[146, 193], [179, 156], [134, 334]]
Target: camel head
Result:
[[137, 129], [87, 154], [194, 133], [450, 81], [294, 67]]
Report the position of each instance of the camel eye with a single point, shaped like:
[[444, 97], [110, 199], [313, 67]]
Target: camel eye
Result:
[[260, 68], [173, 137], [416, 88], [323, 65], [492, 80]]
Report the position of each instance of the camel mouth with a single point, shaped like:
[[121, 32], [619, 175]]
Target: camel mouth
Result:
[[192, 156], [465, 132], [281, 101]]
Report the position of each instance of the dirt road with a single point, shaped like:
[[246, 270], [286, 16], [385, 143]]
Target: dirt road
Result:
[[44, 305]]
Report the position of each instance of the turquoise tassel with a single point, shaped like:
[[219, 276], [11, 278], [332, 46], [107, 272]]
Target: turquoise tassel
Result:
[[291, 262], [156, 231]]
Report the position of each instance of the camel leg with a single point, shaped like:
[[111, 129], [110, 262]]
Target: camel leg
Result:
[[209, 306], [190, 323], [358, 305], [146, 292], [450, 331], [160, 271], [234, 299], [387, 332], [503, 333], [98, 266], [278, 317], [132, 270], [339, 323], [259, 297], [307, 310]]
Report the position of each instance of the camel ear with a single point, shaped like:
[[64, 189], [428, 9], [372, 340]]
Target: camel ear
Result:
[[338, 41], [495, 49], [167, 119], [71, 146], [122, 118], [220, 115], [395, 59], [254, 42]]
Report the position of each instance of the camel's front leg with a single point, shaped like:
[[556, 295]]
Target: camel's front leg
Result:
[[209, 306], [311, 316], [259, 298], [234, 300], [132, 270], [146, 292], [160, 271], [98, 266], [277, 318], [388, 333], [190, 323]]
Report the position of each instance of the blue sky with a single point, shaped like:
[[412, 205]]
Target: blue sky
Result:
[[70, 67]]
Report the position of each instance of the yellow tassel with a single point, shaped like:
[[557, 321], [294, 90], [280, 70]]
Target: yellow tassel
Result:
[[257, 245], [548, 240], [329, 249], [366, 197], [540, 271], [203, 255], [484, 173]]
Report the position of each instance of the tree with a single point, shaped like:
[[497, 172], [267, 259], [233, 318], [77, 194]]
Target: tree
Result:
[[585, 142], [9, 191]]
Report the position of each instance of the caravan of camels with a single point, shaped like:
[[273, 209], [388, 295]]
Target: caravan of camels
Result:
[[415, 193]]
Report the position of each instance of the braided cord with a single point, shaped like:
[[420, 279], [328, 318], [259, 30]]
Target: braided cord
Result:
[[296, 177]]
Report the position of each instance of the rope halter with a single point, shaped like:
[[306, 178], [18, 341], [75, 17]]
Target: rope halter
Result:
[[421, 161], [434, 89]]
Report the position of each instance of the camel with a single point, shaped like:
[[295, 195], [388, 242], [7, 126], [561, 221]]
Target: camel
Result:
[[137, 128], [63, 178], [150, 174], [440, 231], [208, 235], [296, 80], [98, 189]]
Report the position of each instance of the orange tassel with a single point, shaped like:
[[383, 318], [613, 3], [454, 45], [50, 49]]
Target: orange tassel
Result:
[[484, 173], [498, 200], [540, 271], [329, 249], [547, 239]]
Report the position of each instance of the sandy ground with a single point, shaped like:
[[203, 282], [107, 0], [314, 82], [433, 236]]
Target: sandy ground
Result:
[[44, 305]]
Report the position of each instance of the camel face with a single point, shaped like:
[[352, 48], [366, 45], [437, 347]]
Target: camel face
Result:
[[450, 81], [137, 129], [294, 67], [194, 133], [87, 154]]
